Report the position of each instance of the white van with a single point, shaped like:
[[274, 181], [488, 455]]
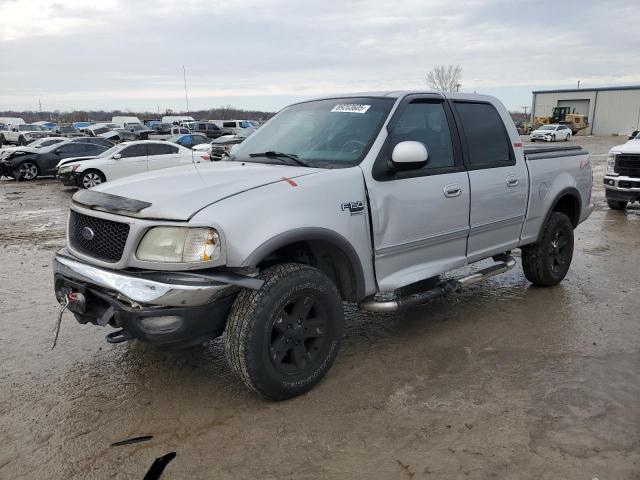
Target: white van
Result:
[[124, 122], [176, 119]]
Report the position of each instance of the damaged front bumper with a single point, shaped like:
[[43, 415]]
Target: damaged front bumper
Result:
[[174, 308]]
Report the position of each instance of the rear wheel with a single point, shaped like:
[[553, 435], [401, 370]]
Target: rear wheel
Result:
[[282, 339], [2, 140], [22, 140], [27, 171], [616, 204], [91, 178], [546, 262]]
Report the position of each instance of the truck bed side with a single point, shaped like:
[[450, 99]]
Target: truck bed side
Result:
[[554, 174]]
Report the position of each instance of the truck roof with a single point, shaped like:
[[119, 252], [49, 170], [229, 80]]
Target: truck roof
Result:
[[403, 93]]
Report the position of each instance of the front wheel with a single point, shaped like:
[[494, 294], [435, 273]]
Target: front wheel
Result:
[[566, 139], [553, 138], [546, 262], [27, 171], [616, 204], [22, 141], [282, 339], [91, 178]]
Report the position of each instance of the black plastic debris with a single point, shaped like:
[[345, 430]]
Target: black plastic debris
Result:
[[158, 466], [129, 441]]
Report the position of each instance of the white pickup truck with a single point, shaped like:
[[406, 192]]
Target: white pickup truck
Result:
[[622, 178], [336, 199]]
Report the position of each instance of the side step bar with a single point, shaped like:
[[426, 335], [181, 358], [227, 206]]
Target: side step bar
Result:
[[505, 262]]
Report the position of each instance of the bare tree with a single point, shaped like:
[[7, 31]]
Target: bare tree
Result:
[[445, 78]]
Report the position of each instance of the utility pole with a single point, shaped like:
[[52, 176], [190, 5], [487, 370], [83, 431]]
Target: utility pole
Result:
[[578, 84], [40, 104], [186, 95], [525, 109]]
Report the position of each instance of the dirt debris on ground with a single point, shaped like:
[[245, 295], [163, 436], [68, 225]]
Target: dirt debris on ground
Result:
[[504, 380]]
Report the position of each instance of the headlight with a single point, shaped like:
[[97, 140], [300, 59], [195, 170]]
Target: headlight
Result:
[[179, 245], [68, 168], [611, 163]]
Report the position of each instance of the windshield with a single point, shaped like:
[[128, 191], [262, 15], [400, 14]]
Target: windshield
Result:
[[548, 127], [334, 132], [30, 128]]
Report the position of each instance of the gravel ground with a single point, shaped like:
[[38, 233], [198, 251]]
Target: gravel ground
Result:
[[502, 381]]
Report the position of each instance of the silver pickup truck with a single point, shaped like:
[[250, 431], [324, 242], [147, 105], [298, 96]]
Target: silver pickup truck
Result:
[[349, 198]]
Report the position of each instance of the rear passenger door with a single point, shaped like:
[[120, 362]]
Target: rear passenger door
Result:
[[162, 155], [499, 180], [420, 216]]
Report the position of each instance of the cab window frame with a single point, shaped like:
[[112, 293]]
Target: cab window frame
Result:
[[383, 169]]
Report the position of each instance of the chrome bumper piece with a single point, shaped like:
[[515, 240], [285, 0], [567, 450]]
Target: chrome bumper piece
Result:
[[187, 290]]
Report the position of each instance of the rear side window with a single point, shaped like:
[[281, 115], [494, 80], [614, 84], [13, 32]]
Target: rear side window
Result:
[[134, 151], [487, 139], [229, 124]]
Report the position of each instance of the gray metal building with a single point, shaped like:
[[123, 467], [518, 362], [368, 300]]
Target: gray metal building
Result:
[[609, 109]]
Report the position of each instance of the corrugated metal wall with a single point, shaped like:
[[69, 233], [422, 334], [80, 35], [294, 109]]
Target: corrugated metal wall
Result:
[[616, 111]]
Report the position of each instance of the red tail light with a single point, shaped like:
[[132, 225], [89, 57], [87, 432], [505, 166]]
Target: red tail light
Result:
[[205, 157]]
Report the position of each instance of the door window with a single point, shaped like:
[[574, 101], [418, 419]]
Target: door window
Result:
[[487, 140], [134, 151], [425, 122], [158, 149]]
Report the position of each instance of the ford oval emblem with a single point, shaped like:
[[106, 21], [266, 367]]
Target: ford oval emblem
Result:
[[87, 233]]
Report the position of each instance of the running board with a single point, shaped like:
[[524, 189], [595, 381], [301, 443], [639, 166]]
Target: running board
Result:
[[505, 262]]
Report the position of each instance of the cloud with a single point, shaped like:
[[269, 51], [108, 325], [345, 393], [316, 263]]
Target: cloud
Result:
[[129, 54]]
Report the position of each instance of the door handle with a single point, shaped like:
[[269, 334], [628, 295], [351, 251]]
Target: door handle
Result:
[[512, 181], [453, 190]]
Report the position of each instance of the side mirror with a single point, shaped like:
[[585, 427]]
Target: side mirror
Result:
[[410, 154], [117, 156]]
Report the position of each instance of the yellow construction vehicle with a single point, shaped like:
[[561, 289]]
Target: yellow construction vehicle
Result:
[[564, 116]]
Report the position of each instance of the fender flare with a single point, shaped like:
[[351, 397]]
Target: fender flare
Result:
[[309, 234], [572, 191]]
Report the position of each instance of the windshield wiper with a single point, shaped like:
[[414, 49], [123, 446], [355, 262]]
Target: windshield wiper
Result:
[[279, 156]]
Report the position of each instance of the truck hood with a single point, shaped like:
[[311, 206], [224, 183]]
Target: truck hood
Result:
[[178, 193], [632, 146]]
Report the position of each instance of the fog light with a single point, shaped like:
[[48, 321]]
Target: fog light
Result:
[[161, 324]]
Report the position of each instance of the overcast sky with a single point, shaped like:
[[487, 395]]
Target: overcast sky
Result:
[[264, 54]]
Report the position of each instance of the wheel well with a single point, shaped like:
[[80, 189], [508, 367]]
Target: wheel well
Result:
[[569, 205], [326, 257]]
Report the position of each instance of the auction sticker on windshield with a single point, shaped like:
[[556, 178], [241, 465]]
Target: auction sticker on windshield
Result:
[[351, 108]]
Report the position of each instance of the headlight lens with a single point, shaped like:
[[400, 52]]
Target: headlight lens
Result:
[[68, 168], [611, 163], [179, 245]]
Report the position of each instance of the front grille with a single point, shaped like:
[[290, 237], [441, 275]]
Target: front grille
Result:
[[628, 164], [108, 239]]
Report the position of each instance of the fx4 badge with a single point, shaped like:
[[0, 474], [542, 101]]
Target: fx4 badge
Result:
[[355, 208]]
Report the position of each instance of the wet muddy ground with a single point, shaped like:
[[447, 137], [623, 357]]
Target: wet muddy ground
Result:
[[502, 381]]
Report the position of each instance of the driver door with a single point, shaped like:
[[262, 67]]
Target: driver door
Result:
[[420, 216], [133, 159]]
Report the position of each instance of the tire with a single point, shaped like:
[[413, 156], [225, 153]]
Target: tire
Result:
[[22, 141], [2, 140], [546, 262], [553, 138], [27, 171], [533, 140], [616, 204], [91, 178], [566, 139], [282, 356]]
